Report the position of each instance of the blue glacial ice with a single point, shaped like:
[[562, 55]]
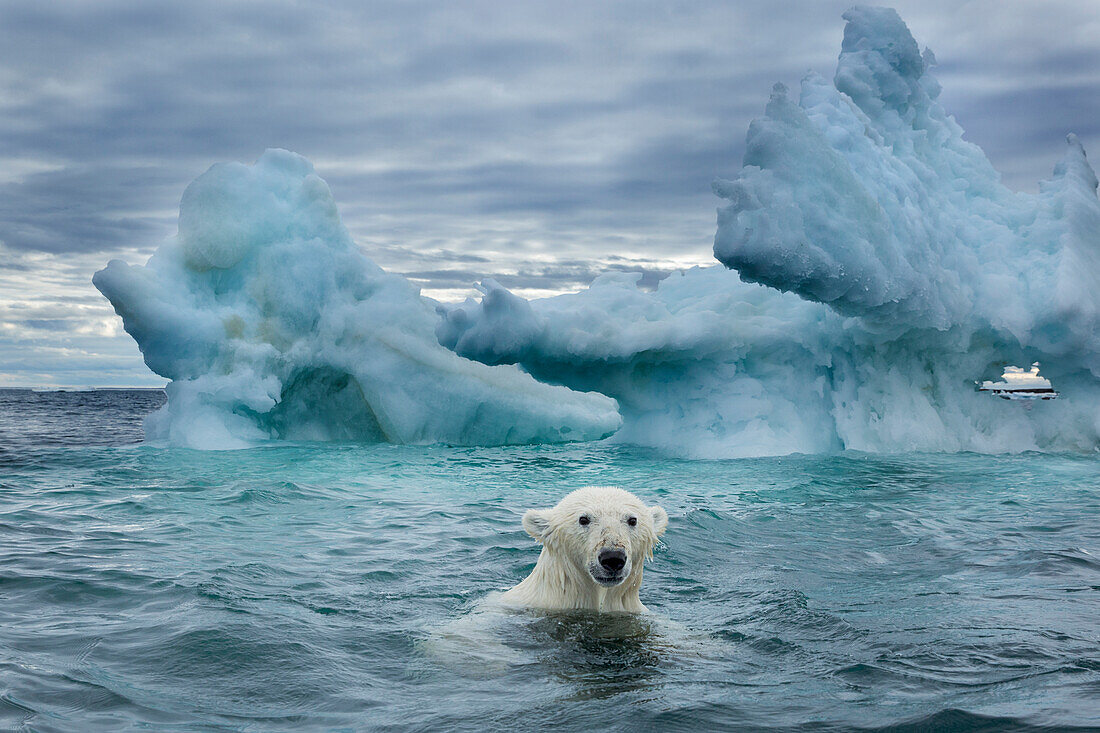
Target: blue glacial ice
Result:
[[877, 269], [271, 324]]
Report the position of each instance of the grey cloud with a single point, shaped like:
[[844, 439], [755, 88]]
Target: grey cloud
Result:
[[53, 324], [180, 87], [80, 208], [561, 276]]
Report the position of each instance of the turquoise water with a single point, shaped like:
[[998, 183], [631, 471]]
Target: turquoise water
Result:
[[293, 587]]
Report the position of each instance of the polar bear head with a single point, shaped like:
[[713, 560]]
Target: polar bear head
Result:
[[599, 533]]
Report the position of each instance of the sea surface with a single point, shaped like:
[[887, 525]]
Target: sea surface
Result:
[[304, 586]]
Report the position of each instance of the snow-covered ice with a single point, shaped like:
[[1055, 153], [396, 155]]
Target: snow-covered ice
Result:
[[878, 269]]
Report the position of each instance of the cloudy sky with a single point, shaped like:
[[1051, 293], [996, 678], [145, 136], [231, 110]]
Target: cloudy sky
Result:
[[537, 143]]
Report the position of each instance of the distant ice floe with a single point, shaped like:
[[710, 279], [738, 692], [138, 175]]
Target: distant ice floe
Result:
[[877, 267]]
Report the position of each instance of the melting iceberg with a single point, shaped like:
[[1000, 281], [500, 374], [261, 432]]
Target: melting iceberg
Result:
[[877, 270], [881, 269], [270, 323]]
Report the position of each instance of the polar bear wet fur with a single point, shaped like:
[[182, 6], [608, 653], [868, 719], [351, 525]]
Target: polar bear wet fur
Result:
[[594, 544]]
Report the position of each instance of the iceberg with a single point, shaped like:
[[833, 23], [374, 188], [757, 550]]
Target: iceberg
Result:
[[877, 269], [873, 271], [270, 323]]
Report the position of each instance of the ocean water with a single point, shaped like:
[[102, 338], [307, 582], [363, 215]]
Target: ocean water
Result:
[[300, 586]]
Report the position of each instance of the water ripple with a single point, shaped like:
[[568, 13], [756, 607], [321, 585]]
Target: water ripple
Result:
[[292, 587]]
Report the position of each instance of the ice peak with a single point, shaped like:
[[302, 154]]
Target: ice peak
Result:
[[880, 64], [1075, 166]]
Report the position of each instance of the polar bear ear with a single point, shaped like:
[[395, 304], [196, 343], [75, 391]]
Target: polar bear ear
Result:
[[537, 523], [660, 520]]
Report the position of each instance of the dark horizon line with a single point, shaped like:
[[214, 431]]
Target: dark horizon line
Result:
[[83, 388]]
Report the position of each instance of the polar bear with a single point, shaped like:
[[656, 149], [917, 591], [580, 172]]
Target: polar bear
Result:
[[594, 543]]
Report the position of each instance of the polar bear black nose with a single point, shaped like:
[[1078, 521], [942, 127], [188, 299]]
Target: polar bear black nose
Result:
[[612, 561]]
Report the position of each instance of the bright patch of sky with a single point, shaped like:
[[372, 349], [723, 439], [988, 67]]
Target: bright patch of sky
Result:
[[1018, 378]]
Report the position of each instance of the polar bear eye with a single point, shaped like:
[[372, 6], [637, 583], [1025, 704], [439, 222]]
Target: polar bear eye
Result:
[[633, 521], [584, 520]]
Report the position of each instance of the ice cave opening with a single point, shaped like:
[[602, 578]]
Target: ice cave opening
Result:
[[1017, 383]]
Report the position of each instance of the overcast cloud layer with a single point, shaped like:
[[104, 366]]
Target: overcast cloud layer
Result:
[[537, 143]]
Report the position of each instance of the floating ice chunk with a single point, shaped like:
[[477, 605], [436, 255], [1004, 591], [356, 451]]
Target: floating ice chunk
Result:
[[270, 323], [703, 366], [898, 268]]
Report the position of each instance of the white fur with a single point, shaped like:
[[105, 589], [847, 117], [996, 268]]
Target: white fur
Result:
[[563, 577]]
